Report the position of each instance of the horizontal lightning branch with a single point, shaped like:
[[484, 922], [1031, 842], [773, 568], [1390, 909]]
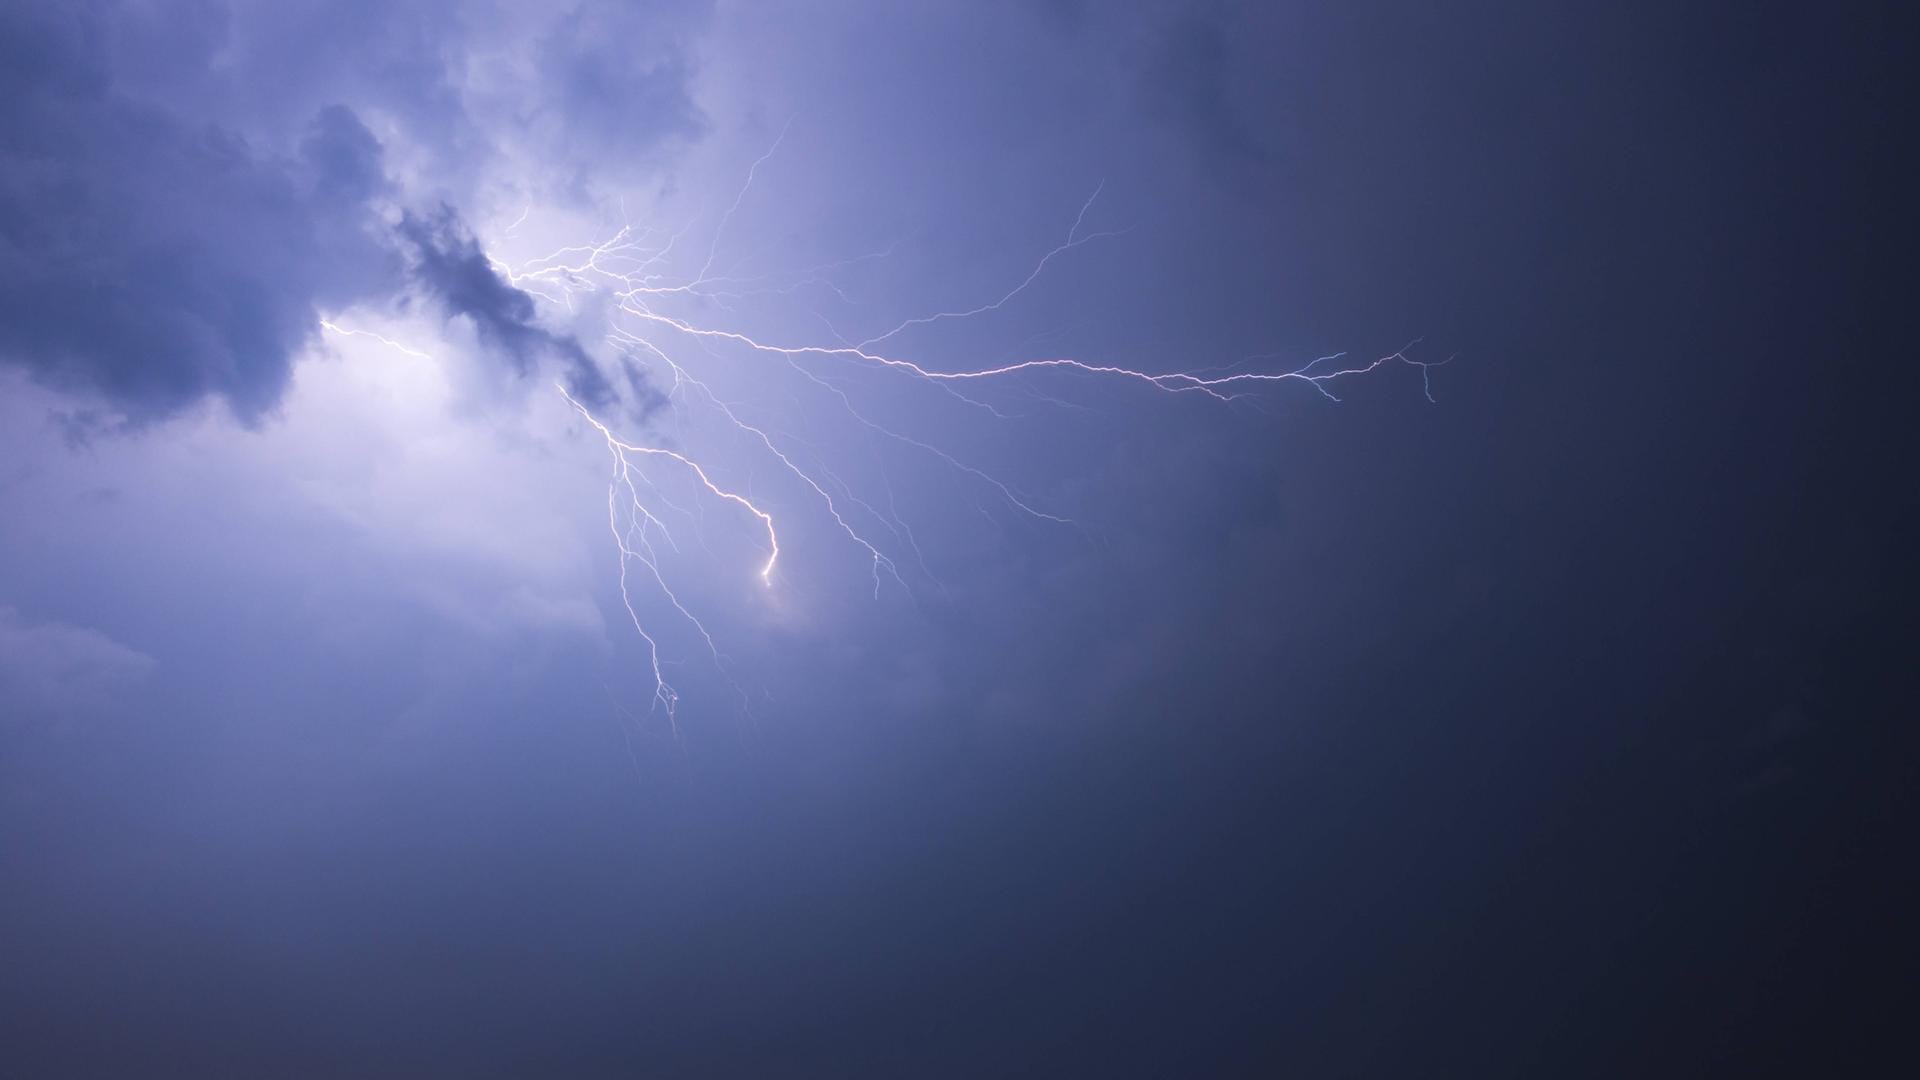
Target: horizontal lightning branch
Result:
[[631, 268]]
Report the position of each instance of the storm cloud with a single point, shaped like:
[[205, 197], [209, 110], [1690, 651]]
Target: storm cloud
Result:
[[154, 260], [1551, 727], [160, 245]]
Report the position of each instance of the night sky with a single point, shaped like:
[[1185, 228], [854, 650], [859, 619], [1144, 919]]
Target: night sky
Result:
[[1558, 724]]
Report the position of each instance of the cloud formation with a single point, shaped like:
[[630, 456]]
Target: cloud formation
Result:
[[163, 243], [155, 261]]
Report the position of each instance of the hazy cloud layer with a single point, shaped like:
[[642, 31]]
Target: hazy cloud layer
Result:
[[53, 670], [1457, 715]]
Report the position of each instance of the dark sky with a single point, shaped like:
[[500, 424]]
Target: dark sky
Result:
[[1558, 726]]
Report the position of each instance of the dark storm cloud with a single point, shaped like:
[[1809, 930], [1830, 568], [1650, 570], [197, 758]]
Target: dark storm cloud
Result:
[[155, 261], [168, 236], [450, 267]]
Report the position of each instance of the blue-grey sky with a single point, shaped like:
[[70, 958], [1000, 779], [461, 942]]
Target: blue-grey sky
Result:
[[1542, 724]]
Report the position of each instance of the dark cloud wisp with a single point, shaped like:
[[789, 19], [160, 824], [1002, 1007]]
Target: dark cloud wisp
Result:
[[449, 266]]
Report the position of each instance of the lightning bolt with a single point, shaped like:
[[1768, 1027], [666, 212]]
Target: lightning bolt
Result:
[[334, 328], [632, 535], [630, 267]]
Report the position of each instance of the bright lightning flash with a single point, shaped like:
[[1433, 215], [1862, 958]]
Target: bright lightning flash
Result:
[[630, 267]]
